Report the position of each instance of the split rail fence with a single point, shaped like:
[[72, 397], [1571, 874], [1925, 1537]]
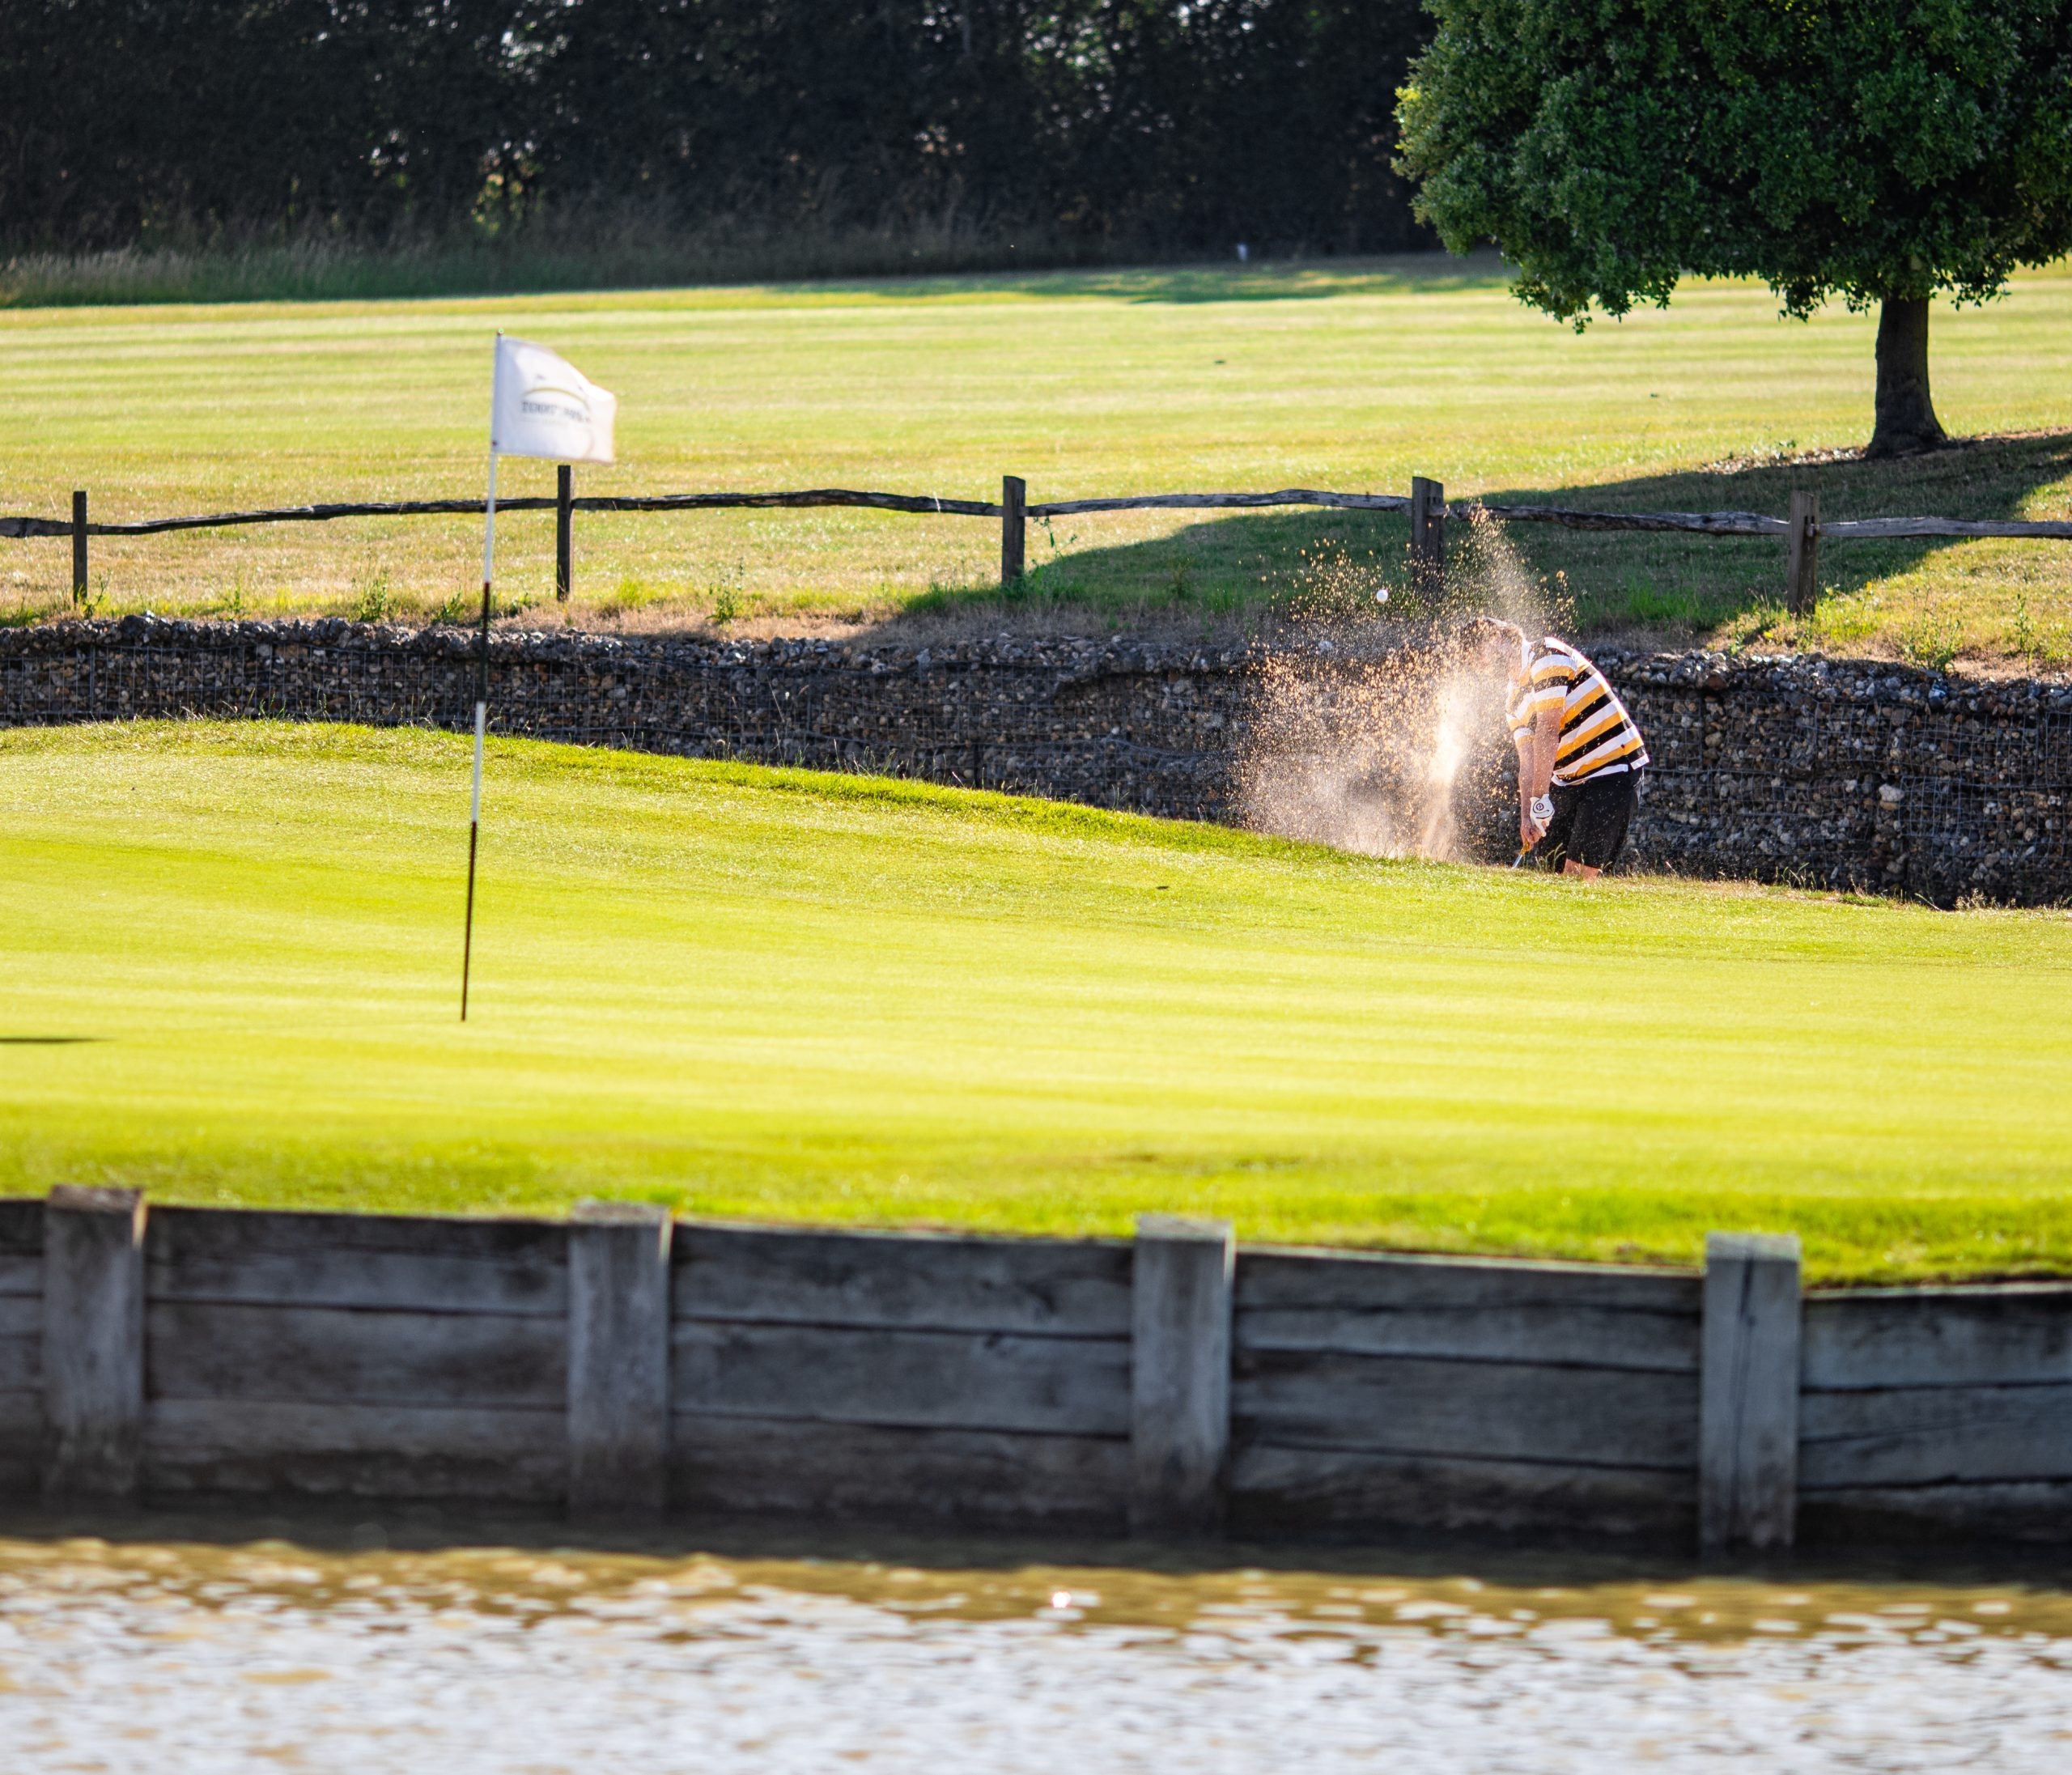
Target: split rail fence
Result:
[[618, 1363], [1802, 531]]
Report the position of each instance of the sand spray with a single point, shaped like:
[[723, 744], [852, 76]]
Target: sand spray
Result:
[[1373, 730]]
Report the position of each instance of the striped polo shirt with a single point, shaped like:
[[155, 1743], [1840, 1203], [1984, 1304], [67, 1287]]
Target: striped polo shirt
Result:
[[1598, 737]]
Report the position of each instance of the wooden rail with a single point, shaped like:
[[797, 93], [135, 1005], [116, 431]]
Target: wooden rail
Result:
[[1426, 505], [424, 509]]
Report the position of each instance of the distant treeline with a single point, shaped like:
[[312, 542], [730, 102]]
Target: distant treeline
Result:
[[1146, 123]]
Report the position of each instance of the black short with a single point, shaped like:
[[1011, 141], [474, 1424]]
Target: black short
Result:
[[1591, 820]]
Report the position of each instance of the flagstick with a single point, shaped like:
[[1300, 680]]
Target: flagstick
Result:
[[481, 720]]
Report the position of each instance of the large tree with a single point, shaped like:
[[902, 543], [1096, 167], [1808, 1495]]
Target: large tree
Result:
[[1883, 151]]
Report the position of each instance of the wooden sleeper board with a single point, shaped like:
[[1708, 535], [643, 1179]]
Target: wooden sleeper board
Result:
[[902, 1281], [395, 1451], [422, 1264], [944, 1380], [1277, 1492], [830, 1471], [1489, 1411], [314, 1355]]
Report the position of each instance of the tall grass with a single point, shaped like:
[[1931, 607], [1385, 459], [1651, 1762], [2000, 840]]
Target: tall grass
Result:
[[614, 249]]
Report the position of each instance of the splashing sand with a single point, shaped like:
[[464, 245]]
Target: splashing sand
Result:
[[1378, 735], [1368, 754]]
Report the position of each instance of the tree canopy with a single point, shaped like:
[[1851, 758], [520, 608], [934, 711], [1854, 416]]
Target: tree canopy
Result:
[[1883, 151]]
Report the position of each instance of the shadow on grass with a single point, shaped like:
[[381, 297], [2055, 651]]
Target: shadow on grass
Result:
[[1282, 281], [1702, 583], [1226, 571]]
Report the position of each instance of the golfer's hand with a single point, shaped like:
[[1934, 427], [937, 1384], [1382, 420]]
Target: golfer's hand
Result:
[[1535, 817]]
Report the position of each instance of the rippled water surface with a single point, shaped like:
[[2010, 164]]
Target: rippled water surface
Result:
[[209, 1654]]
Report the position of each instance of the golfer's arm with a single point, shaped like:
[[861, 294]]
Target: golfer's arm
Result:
[[1536, 772]]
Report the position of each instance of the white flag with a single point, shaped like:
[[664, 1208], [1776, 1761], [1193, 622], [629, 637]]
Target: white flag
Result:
[[543, 405]]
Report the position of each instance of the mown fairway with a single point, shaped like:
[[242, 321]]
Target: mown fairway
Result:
[[232, 955], [1085, 383]]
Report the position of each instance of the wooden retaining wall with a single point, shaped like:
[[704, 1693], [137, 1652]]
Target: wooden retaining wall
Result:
[[970, 1379], [617, 1363], [1947, 1408], [21, 1346], [347, 1353], [1457, 1393]]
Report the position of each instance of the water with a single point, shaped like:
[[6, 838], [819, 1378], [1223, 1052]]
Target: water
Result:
[[202, 1653]]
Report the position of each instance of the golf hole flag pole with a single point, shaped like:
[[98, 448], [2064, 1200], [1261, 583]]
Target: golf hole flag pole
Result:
[[540, 405]]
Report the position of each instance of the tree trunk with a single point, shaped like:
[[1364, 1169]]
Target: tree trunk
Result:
[[1907, 424]]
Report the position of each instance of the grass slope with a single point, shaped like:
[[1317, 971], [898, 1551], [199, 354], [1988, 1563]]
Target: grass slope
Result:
[[1085, 383], [782, 994]]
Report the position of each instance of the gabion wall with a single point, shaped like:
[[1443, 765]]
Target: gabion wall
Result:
[[1826, 773]]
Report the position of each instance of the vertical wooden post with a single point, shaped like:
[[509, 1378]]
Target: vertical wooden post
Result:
[[618, 1359], [1179, 1374], [1748, 1411], [564, 532], [1014, 527], [79, 545], [93, 1343], [1802, 553], [1428, 535]]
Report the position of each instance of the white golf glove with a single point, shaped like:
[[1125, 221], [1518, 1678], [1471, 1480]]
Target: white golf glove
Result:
[[1542, 811]]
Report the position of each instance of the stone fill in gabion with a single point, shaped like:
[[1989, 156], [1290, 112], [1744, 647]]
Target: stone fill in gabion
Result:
[[1830, 773]]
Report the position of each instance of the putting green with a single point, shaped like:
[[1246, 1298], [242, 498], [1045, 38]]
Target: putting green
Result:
[[782, 994]]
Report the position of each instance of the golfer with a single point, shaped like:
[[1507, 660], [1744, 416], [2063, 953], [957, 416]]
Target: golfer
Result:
[[1580, 754]]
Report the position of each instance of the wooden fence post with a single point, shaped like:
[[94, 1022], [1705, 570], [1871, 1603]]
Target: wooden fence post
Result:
[[564, 532], [1014, 527], [1179, 1374], [1748, 1410], [79, 545], [1428, 535], [618, 1359], [93, 1343], [1802, 553]]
